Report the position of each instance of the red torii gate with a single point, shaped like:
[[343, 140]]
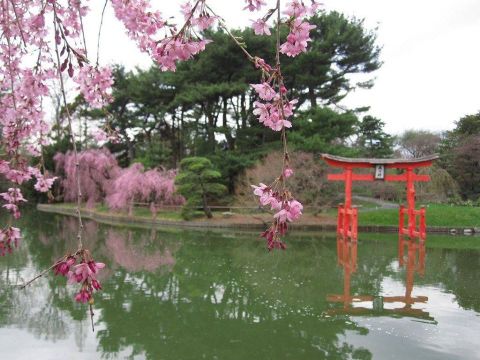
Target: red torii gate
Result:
[[347, 221]]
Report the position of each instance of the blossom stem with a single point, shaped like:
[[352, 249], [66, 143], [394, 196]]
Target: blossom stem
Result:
[[91, 316], [42, 273], [222, 24], [100, 31]]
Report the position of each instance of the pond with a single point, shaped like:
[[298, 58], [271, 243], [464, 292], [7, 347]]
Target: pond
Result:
[[178, 294]]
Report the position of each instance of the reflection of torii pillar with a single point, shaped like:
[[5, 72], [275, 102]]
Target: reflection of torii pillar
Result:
[[347, 258], [347, 221]]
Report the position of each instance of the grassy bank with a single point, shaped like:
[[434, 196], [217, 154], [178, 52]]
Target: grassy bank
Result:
[[433, 240], [437, 215]]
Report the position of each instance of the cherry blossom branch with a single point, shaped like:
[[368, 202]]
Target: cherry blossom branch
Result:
[[43, 273], [100, 31], [18, 23], [280, 84], [82, 30], [222, 24]]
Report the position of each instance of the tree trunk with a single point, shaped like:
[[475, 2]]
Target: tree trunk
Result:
[[243, 111], [312, 97], [206, 209], [228, 132]]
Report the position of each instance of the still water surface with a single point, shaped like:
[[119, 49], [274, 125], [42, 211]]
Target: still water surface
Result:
[[174, 294]]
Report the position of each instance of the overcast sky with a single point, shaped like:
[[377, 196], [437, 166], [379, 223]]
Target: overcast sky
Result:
[[431, 55]]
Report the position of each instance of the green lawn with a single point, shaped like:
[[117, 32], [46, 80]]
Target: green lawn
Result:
[[145, 212], [140, 212], [439, 241], [437, 215]]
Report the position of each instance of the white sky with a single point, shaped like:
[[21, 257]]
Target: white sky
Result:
[[431, 54]]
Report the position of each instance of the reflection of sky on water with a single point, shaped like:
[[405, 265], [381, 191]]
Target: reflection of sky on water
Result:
[[450, 337], [184, 295]]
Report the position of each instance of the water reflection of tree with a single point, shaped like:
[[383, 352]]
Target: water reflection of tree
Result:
[[35, 308], [219, 301], [458, 272], [46, 308], [137, 251]]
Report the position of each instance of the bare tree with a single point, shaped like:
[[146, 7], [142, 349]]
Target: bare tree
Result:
[[418, 143]]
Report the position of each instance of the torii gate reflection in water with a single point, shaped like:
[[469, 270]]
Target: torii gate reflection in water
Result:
[[414, 263], [347, 220]]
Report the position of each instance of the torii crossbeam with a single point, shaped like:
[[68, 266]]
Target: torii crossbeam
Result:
[[347, 221]]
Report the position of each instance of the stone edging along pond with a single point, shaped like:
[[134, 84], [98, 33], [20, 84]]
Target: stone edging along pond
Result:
[[121, 219]]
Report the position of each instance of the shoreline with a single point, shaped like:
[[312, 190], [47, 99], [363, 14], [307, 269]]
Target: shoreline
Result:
[[226, 223]]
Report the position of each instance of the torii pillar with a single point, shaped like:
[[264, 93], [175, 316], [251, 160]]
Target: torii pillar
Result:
[[347, 221]]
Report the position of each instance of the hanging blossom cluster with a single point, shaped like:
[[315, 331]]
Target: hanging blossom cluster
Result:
[[161, 40], [299, 36], [286, 210], [254, 5], [274, 110], [80, 269], [9, 238], [95, 84], [13, 198], [107, 135]]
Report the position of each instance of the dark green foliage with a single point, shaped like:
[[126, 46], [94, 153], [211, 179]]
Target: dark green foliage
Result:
[[321, 129], [372, 140], [341, 46], [468, 125], [198, 182], [231, 163]]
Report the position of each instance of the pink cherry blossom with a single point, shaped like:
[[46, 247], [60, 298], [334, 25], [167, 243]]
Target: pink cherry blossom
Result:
[[83, 296], [262, 64], [80, 273], [260, 190], [299, 36], [264, 91], [254, 5], [94, 266], [95, 84], [96, 285], [271, 115], [295, 209], [83, 273], [13, 197], [260, 27], [291, 211], [287, 172], [9, 238], [297, 39], [43, 184], [63, 267]]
